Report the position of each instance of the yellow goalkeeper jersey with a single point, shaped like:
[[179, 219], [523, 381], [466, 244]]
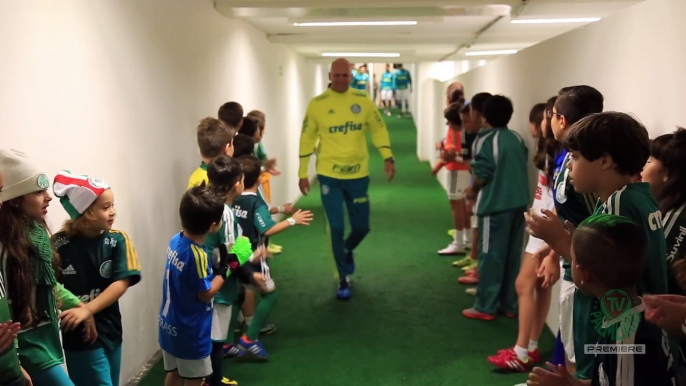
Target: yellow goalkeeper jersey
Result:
[[198, 177], [340, 122]]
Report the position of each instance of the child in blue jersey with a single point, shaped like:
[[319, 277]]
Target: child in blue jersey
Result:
[[99, 264], [188, 287]]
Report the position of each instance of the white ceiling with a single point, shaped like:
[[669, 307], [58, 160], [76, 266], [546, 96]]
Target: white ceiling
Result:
[[443, 26]]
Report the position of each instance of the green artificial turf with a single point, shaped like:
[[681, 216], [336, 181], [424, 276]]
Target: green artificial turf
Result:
[[403, 325]]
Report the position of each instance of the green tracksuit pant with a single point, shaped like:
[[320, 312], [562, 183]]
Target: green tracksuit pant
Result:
[[501, 237]]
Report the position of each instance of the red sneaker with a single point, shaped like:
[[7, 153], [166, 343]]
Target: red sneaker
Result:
[[510, 361], [468, 280], [471, 272], [534, 356], [474, 314]]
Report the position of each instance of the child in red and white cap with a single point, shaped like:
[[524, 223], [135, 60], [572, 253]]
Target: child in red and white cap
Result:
[[98, 264]]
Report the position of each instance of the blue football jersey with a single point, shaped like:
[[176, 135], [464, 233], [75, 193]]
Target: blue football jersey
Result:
[[360, 81], [185, 321], [387, 81]]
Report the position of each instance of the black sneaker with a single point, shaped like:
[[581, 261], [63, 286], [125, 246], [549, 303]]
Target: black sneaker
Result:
[[350, 263]]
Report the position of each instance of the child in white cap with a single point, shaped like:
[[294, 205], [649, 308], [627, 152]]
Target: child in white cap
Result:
[[98, 264], [28, 265]]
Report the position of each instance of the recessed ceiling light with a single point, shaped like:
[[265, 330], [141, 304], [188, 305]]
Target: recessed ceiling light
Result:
[[354, 23], [361, 54], [556, 21], [496, 52]]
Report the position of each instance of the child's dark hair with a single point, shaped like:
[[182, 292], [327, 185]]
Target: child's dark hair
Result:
[[14, 237], [478, 101], [465, 110], [498, 111], [452, 114], [250, 127], [670, 150], [213, 136], [199, 209], [243, 145], [578, 102], [536, 117], [616, 134], [223, 173], [251, 170], [231, 113], [613, 248], [553, 147]]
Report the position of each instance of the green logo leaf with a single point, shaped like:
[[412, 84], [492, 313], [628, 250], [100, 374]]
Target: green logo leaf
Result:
[[43, 182]]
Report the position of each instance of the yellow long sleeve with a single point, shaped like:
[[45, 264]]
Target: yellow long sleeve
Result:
[[379, 132], [308, 138]]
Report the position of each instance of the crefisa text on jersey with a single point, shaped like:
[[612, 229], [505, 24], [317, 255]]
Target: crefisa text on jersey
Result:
[[173, 257], [349, 126]]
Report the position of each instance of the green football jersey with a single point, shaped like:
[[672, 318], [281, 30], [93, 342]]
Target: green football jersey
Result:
[[10, 371], [570, 205], [89, 266], [674, 222], [253, 216], [259, 152], [635, 202], [500, 161], [228, 234]]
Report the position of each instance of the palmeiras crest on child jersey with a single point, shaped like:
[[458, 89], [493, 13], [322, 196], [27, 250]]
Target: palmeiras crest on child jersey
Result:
[[356, 108], [106, 269]]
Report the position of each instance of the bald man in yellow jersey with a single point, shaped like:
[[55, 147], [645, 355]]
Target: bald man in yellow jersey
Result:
[[340, 119]]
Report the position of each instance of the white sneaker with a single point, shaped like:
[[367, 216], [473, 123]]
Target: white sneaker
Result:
[[452, 249], [471, 291]]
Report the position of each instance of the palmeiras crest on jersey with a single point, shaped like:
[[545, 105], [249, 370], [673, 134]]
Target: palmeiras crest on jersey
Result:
[[560, 193], [106, 269], [355, 108]]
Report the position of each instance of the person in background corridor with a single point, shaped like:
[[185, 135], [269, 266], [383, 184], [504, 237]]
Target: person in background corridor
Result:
[[402, 82], [361, 79], [387, 87], [339, 118]]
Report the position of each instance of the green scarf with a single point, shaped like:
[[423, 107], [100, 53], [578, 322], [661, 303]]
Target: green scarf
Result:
[[44, 274]]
